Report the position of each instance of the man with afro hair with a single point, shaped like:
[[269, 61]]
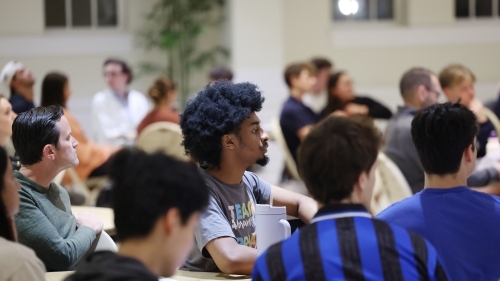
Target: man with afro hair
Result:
[[222, 133]]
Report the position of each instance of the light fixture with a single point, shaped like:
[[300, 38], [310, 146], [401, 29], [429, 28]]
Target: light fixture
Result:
[[348, 7]]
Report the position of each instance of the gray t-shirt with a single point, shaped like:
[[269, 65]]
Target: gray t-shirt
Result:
[[230, 213]]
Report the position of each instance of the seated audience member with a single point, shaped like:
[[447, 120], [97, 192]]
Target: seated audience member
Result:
[[341, 97], [7, 116], [20, 81], [317, 99], [337, 161], [92, 157], [457, 82], [460, 222], [220, 73], [157, 205], [118, 110], [42, 138], [223, 134], [296, 118], [18, 262], [419, 88], [163, 92]]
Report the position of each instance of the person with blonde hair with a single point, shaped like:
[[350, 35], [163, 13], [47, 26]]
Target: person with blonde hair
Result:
[[164, 94]]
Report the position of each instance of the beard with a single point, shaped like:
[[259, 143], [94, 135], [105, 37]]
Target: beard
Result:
[[263, 161]]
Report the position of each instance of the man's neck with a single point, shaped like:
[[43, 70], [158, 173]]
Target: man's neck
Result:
[[144, 251], [229, 172], [121, 92], [39, 174], [296, 94], [411, 104], [446, 181], [25, 92]]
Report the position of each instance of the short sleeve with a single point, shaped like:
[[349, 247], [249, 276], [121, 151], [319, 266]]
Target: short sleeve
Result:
[[213, 224], [260, 188]]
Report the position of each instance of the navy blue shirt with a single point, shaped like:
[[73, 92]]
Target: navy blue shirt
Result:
[[20, 104], [343, 242], [294, 116], [482, 137], [463, 225]]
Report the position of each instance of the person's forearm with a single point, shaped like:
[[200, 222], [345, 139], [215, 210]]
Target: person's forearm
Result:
[[482, 177], [307, 209], [240, 260]]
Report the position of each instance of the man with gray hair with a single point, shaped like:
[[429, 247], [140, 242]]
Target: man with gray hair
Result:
[[419, 88], [16, 76]]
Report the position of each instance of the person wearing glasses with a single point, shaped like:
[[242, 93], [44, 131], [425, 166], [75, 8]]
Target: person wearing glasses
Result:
[[118, 110], [420, 88]]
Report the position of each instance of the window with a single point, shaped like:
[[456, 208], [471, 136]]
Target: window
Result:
[[477, 9], [363, 10], [81, 13]]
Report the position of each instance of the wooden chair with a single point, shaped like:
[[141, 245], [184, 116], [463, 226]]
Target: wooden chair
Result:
[[165, 137], [280, 140]]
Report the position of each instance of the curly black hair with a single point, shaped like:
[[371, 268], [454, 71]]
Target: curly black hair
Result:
[[217, 110]]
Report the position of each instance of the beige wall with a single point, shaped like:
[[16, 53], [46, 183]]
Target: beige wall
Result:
[[21, 17]]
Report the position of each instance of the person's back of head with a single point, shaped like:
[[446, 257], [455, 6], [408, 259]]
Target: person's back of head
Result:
[[162, 88], [321, 63], [300, 76], [220, 73], [444, 135], [157, 199], [53, 89], [33, 130], [217, 110], [337, 160], [414, 87]]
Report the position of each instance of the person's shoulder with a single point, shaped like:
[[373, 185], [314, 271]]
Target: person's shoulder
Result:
[[137, 95], [101, 96], [17, 255], [407, 206]]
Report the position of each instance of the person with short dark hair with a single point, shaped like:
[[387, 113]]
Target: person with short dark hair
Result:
[[457, 82], [20, 80], [419, 88], [222, 133], [317, 99], [337, 161], [19, 263], [220, 73], [92, 157], [341, 97], [296, 118], [42, 139], [118, 110], [460, 222], [157, 202], [164, 94]]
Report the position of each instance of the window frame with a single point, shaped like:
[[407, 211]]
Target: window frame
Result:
[[372, 14], [495, 12]]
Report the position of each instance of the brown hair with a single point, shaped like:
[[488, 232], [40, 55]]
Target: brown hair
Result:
[[335, 153], [6, 227], [454, 74], [53, 89], [160, 89], [295, 69], [334, 103]]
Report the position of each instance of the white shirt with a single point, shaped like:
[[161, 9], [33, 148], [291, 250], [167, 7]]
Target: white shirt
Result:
[[316, 102], [19, 263], [115, 119]]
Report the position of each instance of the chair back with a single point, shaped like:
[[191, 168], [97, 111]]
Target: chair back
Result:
[[390, 185], [105, 243], [165, 137], [493, 119], [280, 140]]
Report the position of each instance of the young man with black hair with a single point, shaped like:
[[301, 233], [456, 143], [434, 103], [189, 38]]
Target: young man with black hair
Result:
[[42, 139], [118, 110], [461, 223], [337, 161], [222, 133], [296, 118], [157, 203], [20, 80]]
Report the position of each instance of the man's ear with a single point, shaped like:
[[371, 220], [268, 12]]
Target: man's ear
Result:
[[171, 220], [228, 141], [469, 153], [360, 183], [49, 152], [421, 93]]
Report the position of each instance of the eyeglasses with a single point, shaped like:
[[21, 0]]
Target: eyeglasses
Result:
[[434, 92], [112, 73]]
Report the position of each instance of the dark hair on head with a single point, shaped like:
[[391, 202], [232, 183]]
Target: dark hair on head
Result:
[[160, 89], [32, 130], [441, 133], [321, 63], [220, 73], [125, 67], [217, 110], [147, 186], [335, 153], [294, 70], [6, 230], [334, 103], [414, 78], [53, 89]]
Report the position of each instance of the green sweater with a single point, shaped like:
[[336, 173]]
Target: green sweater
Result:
[[46, 225]]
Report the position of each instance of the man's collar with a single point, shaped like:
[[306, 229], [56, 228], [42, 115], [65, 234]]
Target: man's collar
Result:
[[335, 211]]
